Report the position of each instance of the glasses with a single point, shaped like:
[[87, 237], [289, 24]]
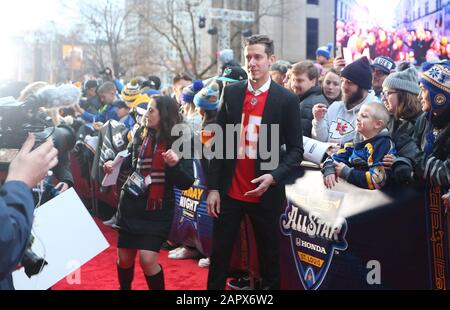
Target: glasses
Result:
[[386, 94]]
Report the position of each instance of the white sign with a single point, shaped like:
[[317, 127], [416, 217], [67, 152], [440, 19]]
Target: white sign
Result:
[[66, 236], [314, 150]]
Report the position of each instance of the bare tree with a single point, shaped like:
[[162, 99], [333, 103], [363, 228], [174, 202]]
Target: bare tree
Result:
[[176, 22], [105, 29]]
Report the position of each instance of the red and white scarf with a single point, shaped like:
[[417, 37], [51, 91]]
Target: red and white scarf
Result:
[[151, 162]]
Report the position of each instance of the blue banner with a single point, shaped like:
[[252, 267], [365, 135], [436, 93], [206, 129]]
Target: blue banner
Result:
[[192, 226]]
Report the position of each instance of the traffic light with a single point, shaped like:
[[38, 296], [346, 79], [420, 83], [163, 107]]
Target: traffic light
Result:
[[202, 22], [213, 31], [247, 33]]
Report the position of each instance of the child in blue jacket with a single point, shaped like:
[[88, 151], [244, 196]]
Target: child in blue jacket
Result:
[[360, 163]]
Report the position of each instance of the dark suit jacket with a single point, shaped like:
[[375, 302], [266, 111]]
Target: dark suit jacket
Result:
[[281, 108]]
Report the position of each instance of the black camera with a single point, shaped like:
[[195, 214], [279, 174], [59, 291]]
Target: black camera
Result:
[[18, 119], [106, 71], [32, 263]]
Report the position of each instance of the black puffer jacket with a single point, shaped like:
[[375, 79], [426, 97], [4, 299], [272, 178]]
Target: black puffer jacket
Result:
[[307, 102], [434, 167], [402, 133]]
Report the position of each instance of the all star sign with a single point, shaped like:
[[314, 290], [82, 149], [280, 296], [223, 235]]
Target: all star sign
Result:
[[316, 231]]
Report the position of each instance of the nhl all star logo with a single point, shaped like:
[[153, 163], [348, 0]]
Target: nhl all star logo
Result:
[[316, 231]]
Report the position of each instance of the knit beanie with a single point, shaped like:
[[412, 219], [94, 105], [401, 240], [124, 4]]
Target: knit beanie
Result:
[[437, 81], [359, 72], [208, 97], [226, 56], [324, 51], [131, 91], [407, 80], [190, 91]]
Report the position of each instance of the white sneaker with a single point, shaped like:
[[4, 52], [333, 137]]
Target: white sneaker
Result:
[[184, 253], [111, 222], [172, 252], [204, 262]]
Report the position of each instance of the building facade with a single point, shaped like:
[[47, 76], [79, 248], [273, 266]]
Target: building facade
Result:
[[299, 27], [433, 15]]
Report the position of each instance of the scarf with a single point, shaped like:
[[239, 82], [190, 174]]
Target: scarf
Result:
[[151, 163]]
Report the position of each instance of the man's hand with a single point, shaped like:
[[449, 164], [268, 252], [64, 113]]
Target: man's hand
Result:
[[446, 200], [330, 181], [97, 125], [171, 158], [31, 167], [265, 181], [319, 111], [62, 187], [339, 167], [77, 108], [213, 204], [388, 161], [339, 63]]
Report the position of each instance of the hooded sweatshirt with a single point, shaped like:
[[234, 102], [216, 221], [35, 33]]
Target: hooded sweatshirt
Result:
[[339, 124], [364, 161]]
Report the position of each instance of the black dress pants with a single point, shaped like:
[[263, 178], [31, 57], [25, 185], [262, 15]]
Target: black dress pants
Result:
[[265, 221]]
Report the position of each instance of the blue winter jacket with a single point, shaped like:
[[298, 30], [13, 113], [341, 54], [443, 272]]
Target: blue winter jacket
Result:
[[16, 218]]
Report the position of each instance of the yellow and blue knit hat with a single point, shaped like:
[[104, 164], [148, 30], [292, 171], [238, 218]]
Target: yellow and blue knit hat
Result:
[[436, 79], [131, 91], [208, 97]]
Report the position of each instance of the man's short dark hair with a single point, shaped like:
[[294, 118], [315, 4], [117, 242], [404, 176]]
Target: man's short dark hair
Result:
[[263, 40], [107, 87], [181, 76]]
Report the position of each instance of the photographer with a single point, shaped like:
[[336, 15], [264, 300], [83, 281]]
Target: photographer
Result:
[[16, 203]]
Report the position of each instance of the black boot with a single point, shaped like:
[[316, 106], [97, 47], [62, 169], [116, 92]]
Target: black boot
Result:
[[156, 282], [125, 277]]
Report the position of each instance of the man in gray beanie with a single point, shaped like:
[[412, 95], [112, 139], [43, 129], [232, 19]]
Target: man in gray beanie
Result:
[[338, 123]]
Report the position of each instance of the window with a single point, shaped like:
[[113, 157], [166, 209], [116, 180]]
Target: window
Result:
[[426, 8], [312, 37], [438, 4], [314, 2]]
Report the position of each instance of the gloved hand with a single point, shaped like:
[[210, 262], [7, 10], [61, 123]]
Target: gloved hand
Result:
[[403, 171]]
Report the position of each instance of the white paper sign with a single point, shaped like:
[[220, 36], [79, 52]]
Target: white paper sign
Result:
[[111, 179], [314, 150], [66, 236]]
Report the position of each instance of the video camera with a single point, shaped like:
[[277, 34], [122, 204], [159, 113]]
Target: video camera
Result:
[[18, 119]]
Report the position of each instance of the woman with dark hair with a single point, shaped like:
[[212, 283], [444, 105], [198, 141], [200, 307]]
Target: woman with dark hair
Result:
[[147, 199], [433, 131]]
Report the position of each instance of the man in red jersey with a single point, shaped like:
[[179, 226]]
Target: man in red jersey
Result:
[[249, 181]]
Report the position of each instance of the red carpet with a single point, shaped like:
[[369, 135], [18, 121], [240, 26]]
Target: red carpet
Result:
[[100, 272]]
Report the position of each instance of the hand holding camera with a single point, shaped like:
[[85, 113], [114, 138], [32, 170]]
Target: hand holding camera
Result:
[[31, 166]]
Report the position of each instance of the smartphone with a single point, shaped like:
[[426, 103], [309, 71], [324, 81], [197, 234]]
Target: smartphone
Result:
[[339, 52]]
